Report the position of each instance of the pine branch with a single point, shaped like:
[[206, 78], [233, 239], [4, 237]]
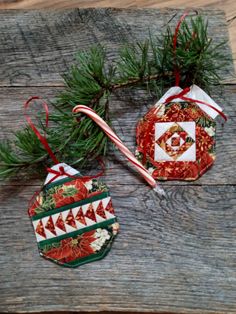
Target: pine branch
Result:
[[149, 64]]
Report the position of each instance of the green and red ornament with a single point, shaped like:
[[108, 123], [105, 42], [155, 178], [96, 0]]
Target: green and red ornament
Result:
[[72, 215]]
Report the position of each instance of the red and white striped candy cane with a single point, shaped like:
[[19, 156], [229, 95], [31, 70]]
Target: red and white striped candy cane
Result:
[[115, 139]]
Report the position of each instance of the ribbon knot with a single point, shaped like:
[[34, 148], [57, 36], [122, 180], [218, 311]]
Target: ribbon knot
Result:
[[62, 170], [58, 173], [42, 138], [182, 96]]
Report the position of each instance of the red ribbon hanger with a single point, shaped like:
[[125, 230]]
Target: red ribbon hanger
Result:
[[41, 137], [44, 142], [180, 95], [176, 69], [184, 92], [62, 172]]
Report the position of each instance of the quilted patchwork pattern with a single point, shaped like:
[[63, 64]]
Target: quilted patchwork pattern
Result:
[[176, 141], [74, 221]]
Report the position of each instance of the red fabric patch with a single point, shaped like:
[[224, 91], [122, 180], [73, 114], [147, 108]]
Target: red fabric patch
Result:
[[70, 220], [100, 210], [90, 213], [80, 217], [73, 248], [110, 208], [175, 141], [60, 223], [40, 229], [50, 226]]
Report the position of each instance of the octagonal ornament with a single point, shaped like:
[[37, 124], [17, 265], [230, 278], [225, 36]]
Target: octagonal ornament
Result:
[[176, 141]]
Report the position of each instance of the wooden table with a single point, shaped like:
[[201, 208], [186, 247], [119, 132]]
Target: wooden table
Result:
[[228, 6], [172, 255]]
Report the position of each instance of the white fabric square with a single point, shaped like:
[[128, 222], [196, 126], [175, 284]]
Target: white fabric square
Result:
[[161, 155], [195, 93]]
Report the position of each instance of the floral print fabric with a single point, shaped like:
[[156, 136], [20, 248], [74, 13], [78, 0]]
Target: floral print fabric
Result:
[[73, 251], [74, 221], [54, 196], [176, 153]]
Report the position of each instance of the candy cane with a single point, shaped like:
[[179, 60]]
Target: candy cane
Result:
[[117, 141]]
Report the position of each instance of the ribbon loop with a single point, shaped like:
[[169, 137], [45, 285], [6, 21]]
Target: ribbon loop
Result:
[[61, 172], [176, 69], [182, 96], [44, 142], [42, 138]]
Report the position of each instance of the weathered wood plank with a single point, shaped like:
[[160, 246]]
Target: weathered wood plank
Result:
[[228, 6], [174, 255], [37, 48]]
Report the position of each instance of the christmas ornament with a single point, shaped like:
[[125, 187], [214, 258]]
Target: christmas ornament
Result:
[[176, 138], [73, 216]]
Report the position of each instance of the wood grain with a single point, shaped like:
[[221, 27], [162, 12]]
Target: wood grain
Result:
[[228, 6], [30, 58], [173, 255]]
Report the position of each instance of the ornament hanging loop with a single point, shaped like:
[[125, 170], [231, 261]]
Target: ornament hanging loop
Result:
[[175, 37], [182, 95], [42, 138]]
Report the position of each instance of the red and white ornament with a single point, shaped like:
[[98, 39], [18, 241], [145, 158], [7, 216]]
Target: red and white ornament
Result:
[[176, 138]]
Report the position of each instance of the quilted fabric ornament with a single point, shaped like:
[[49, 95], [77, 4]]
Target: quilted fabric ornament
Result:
[[72, 216], [176, 138]]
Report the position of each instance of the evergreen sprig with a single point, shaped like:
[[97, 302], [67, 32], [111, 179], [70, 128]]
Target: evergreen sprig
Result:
[[91, 81]]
